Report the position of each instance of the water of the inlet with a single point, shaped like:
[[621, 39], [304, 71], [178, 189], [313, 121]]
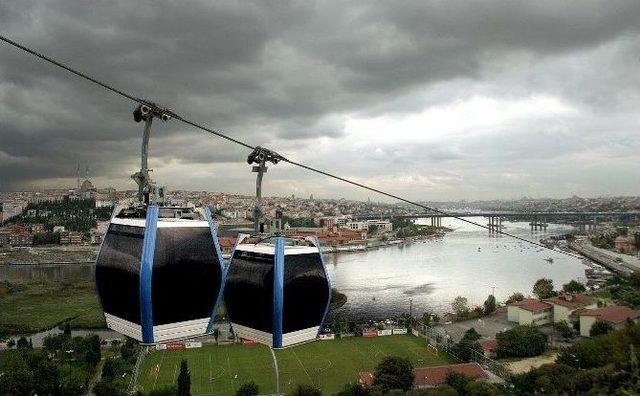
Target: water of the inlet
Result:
[[429, 274]]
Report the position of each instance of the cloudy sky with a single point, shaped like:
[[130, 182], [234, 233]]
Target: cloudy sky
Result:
[[431, 100]]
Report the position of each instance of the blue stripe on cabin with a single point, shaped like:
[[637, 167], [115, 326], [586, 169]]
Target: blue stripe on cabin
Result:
[[146, 271], [278, 292]]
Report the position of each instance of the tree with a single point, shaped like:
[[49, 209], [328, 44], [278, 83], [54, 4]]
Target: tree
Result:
[[574, 287], [339, 324], [108, 369], [72, 380], [248, 389], [599, 328], [521, 341], [490, 304], [394, 372], [216, 334], [515, 297], [458, 381], [565, 330], [467, 350], [471, 335], [460, 305], [468, 346], [108, 388], [543, 288], [23, 344], [444, 390], [45, 375], [306, 390], [17, 378], [93, 353], [184, 380], [128, 351], [168, 390], [353, 389], [428, 318], [67, 330], [480, 388]]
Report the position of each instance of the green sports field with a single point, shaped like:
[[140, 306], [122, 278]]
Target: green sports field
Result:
[[220, 370]]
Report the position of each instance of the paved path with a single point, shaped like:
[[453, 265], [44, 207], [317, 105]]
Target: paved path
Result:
[[524, 365], [487, 326]]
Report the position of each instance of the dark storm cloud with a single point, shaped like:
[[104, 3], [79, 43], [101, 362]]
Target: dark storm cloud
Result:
[[287, 73]]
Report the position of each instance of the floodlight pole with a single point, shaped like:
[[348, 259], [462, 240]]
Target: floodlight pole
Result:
[[275, 366]]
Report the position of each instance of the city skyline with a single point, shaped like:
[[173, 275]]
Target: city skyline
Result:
[[438, 102]]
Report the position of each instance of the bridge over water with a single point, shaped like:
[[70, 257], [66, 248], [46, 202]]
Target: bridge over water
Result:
[[537, 220]]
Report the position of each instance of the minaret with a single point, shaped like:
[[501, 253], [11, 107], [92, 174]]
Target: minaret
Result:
[[86, 172], [78, 175]]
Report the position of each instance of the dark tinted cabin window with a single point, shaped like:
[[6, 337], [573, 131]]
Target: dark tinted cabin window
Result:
[[306, 292], [186, 275], [249, 290], [118, 272]]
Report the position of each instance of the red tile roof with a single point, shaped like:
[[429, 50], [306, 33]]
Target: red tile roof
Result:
[[489, 345], [431, 377], [571, 301], [533, 305], [366, 377], [227, 242], [427, 377], [614, 314]]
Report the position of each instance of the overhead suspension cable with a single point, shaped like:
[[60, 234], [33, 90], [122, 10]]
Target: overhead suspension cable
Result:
[[280, 157]]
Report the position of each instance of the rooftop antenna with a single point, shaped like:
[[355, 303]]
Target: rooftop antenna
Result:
[[147, 189], [260, 156]]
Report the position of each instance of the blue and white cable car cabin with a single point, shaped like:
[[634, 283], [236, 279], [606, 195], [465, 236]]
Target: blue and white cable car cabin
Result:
[[277, 291], [159, 273]]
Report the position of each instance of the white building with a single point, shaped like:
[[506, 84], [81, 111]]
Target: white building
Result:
[[530, 312], [357, 225], [616, 315], [565, 305], [381, 224]]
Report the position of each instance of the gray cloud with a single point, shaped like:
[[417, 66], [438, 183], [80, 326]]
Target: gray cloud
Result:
[[289, 75]]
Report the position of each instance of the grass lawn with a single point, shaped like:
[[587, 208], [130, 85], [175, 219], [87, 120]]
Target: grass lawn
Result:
[[39, 307], [328, 365]]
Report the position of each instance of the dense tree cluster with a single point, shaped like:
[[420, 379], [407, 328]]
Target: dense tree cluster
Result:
[[468, 348], [521, 341], [515, 297], [74, 214], [393, 373], [248, 389], [414, 230], [565, 329], [116, 371], [543, 288], [626, 291], [299, 222], [305, 390], [62, 367], [573, 287], [606, 364]]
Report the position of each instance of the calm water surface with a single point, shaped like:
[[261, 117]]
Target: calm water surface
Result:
[[381, 283]]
